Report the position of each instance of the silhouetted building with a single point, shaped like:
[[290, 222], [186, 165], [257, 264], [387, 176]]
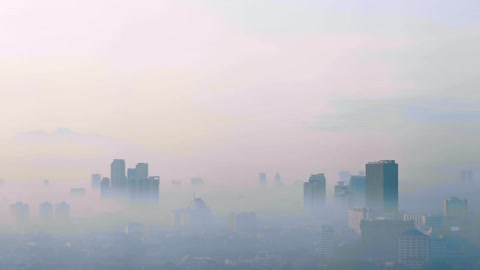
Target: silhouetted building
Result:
[[96, 180], [21, 214], [132, 183], [327, 241], [355, 217], [381, 186], [46, 211], [197, 182], [117, 176], [278, 179], [413, 249], [314, 193], [357, 190], [242, 222], [262, 179], [154, 191], [455, 208], [62, 211], [105, 189], [143, 184]]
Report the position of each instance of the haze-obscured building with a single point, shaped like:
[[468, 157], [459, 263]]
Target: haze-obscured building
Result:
[[357, 190], [46, 212], [381, 187], [455, 208], [96, 180], [314, 193], [355, 217], [327, 241], [21, 214], [62, 211], [380, 237], [413, 249]]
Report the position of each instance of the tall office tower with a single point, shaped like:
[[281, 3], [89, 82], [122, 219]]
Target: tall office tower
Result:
[[143, 186], [96, 180], [117, 176], [154, 189], [344, 176], [132, 183], [413, 249], [21, 213], [327, 240], [105, 188], [381, 187], [455, 208], [46, 211], [278, 179], [466, 177], [357, 190], [262, 179], [62, 211], [355, 217], [314, 193]]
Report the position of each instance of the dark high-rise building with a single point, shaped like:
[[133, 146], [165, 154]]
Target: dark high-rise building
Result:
[[314, 193], [132, 183], [262, 179], [381, 186], [117, 175], [96, 180], [154, 191]]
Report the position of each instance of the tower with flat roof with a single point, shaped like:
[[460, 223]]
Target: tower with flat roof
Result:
[[381, 186]]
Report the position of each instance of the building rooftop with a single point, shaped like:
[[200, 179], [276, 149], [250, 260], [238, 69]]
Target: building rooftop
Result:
[[382, 162]]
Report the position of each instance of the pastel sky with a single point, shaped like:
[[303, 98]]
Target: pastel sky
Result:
[[226, 89]]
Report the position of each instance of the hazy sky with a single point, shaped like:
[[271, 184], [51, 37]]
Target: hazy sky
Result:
[[226, 89]]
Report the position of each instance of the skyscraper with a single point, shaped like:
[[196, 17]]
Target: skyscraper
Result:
[[46, 211], [154, 189], [314, 193], [62, 211], [262, 179], [381, 186], [117, 176], [21, 213], [96, 180], [132, 183], [105, 189], [357, 190]]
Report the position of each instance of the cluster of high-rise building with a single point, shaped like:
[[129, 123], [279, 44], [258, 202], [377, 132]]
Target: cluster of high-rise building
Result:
[[262, 179], [48, 212], [134, 184]]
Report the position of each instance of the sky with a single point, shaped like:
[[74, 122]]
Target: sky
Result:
[[227, 89]]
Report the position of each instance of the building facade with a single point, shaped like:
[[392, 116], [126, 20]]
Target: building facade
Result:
[[381, 187]]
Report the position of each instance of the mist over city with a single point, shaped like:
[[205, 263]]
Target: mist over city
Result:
[[292, 135]]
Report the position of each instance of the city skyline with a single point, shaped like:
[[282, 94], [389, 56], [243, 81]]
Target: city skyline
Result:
[[259, 89]]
